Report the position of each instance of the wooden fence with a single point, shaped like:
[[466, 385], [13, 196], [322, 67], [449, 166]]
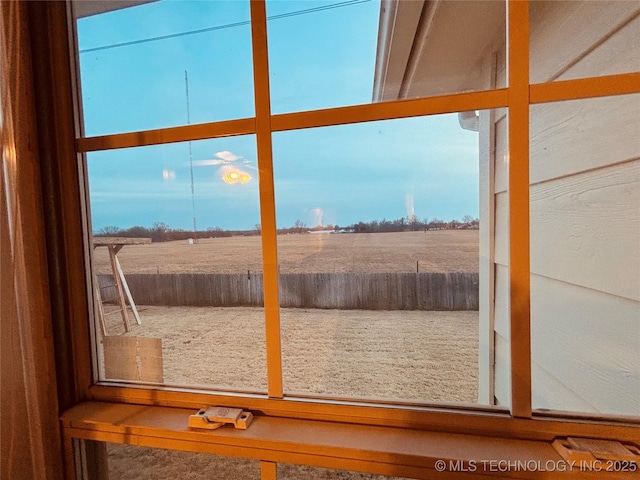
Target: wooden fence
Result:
[[359, 291]]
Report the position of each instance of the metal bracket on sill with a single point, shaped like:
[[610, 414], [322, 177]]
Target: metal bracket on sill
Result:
[[575, 449], [215, 417]]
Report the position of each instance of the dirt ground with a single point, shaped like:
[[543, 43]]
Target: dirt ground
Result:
[[434, 251]]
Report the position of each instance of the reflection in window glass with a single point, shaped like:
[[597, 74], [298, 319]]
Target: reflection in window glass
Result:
[[378, 252], [134, 62], [585, 260], [330, 54], [130, 462], [182, 221], [571, 39]]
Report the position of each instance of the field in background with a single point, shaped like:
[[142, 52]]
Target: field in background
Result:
[[434, 251], [385, 354]]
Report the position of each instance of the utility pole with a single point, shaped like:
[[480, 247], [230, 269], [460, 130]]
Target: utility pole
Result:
[[193, 192]]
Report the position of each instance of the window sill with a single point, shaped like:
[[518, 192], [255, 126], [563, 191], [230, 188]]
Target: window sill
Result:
[[374, 449]]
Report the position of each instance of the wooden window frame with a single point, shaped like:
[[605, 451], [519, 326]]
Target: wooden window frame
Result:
[[85, 397]]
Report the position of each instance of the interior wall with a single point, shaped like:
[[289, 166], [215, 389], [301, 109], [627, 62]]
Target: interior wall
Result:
[[30, 441]]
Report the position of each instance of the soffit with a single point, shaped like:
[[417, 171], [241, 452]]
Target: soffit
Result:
[[446, 47], [86, 8]]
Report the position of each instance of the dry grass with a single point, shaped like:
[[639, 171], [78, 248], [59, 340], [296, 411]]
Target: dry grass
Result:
[[436, 251], [407, 355]]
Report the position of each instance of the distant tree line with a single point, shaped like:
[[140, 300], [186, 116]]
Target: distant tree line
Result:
[[405, 224], [161, 232]]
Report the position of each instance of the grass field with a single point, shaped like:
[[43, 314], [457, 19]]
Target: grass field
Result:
[[422, 356], [433, 251]]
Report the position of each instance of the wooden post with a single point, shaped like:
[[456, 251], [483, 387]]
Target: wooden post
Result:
[[114, 245], [119, 287], [125, 285], [99, 309]]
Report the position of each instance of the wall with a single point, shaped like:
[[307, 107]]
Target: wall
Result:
[[585, 218]]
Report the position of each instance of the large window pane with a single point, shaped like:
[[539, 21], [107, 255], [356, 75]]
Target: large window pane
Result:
[[134, 62], [585, 255], [330, 53], [583, 38], [378, 251], [197, 278]]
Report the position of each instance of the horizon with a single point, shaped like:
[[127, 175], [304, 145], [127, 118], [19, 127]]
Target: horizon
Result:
[[297, 225]]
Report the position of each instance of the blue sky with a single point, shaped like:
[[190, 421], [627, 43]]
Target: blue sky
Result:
[[318, 59]]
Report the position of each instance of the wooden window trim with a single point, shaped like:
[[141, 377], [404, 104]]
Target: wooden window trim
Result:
[[373, 449], [518, 195], [471, 419], [406, 424]]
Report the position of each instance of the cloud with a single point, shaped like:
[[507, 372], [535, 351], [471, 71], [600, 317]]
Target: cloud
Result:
[[205, 163], [227, 156]]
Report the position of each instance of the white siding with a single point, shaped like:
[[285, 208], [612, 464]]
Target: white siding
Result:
[[618, 54], [565, 33], [485, 264], [503, 371], [585, 217], [502, 229], [502, 155], [585, 350], [501, 337], [580, 135], [585, 230]]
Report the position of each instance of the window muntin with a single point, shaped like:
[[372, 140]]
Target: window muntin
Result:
[[517, 147], [136, 65]]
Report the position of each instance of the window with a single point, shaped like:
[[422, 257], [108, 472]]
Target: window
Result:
[[376, 217], [288, 167]]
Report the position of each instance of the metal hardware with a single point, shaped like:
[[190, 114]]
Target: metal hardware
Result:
[[215, 417]]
